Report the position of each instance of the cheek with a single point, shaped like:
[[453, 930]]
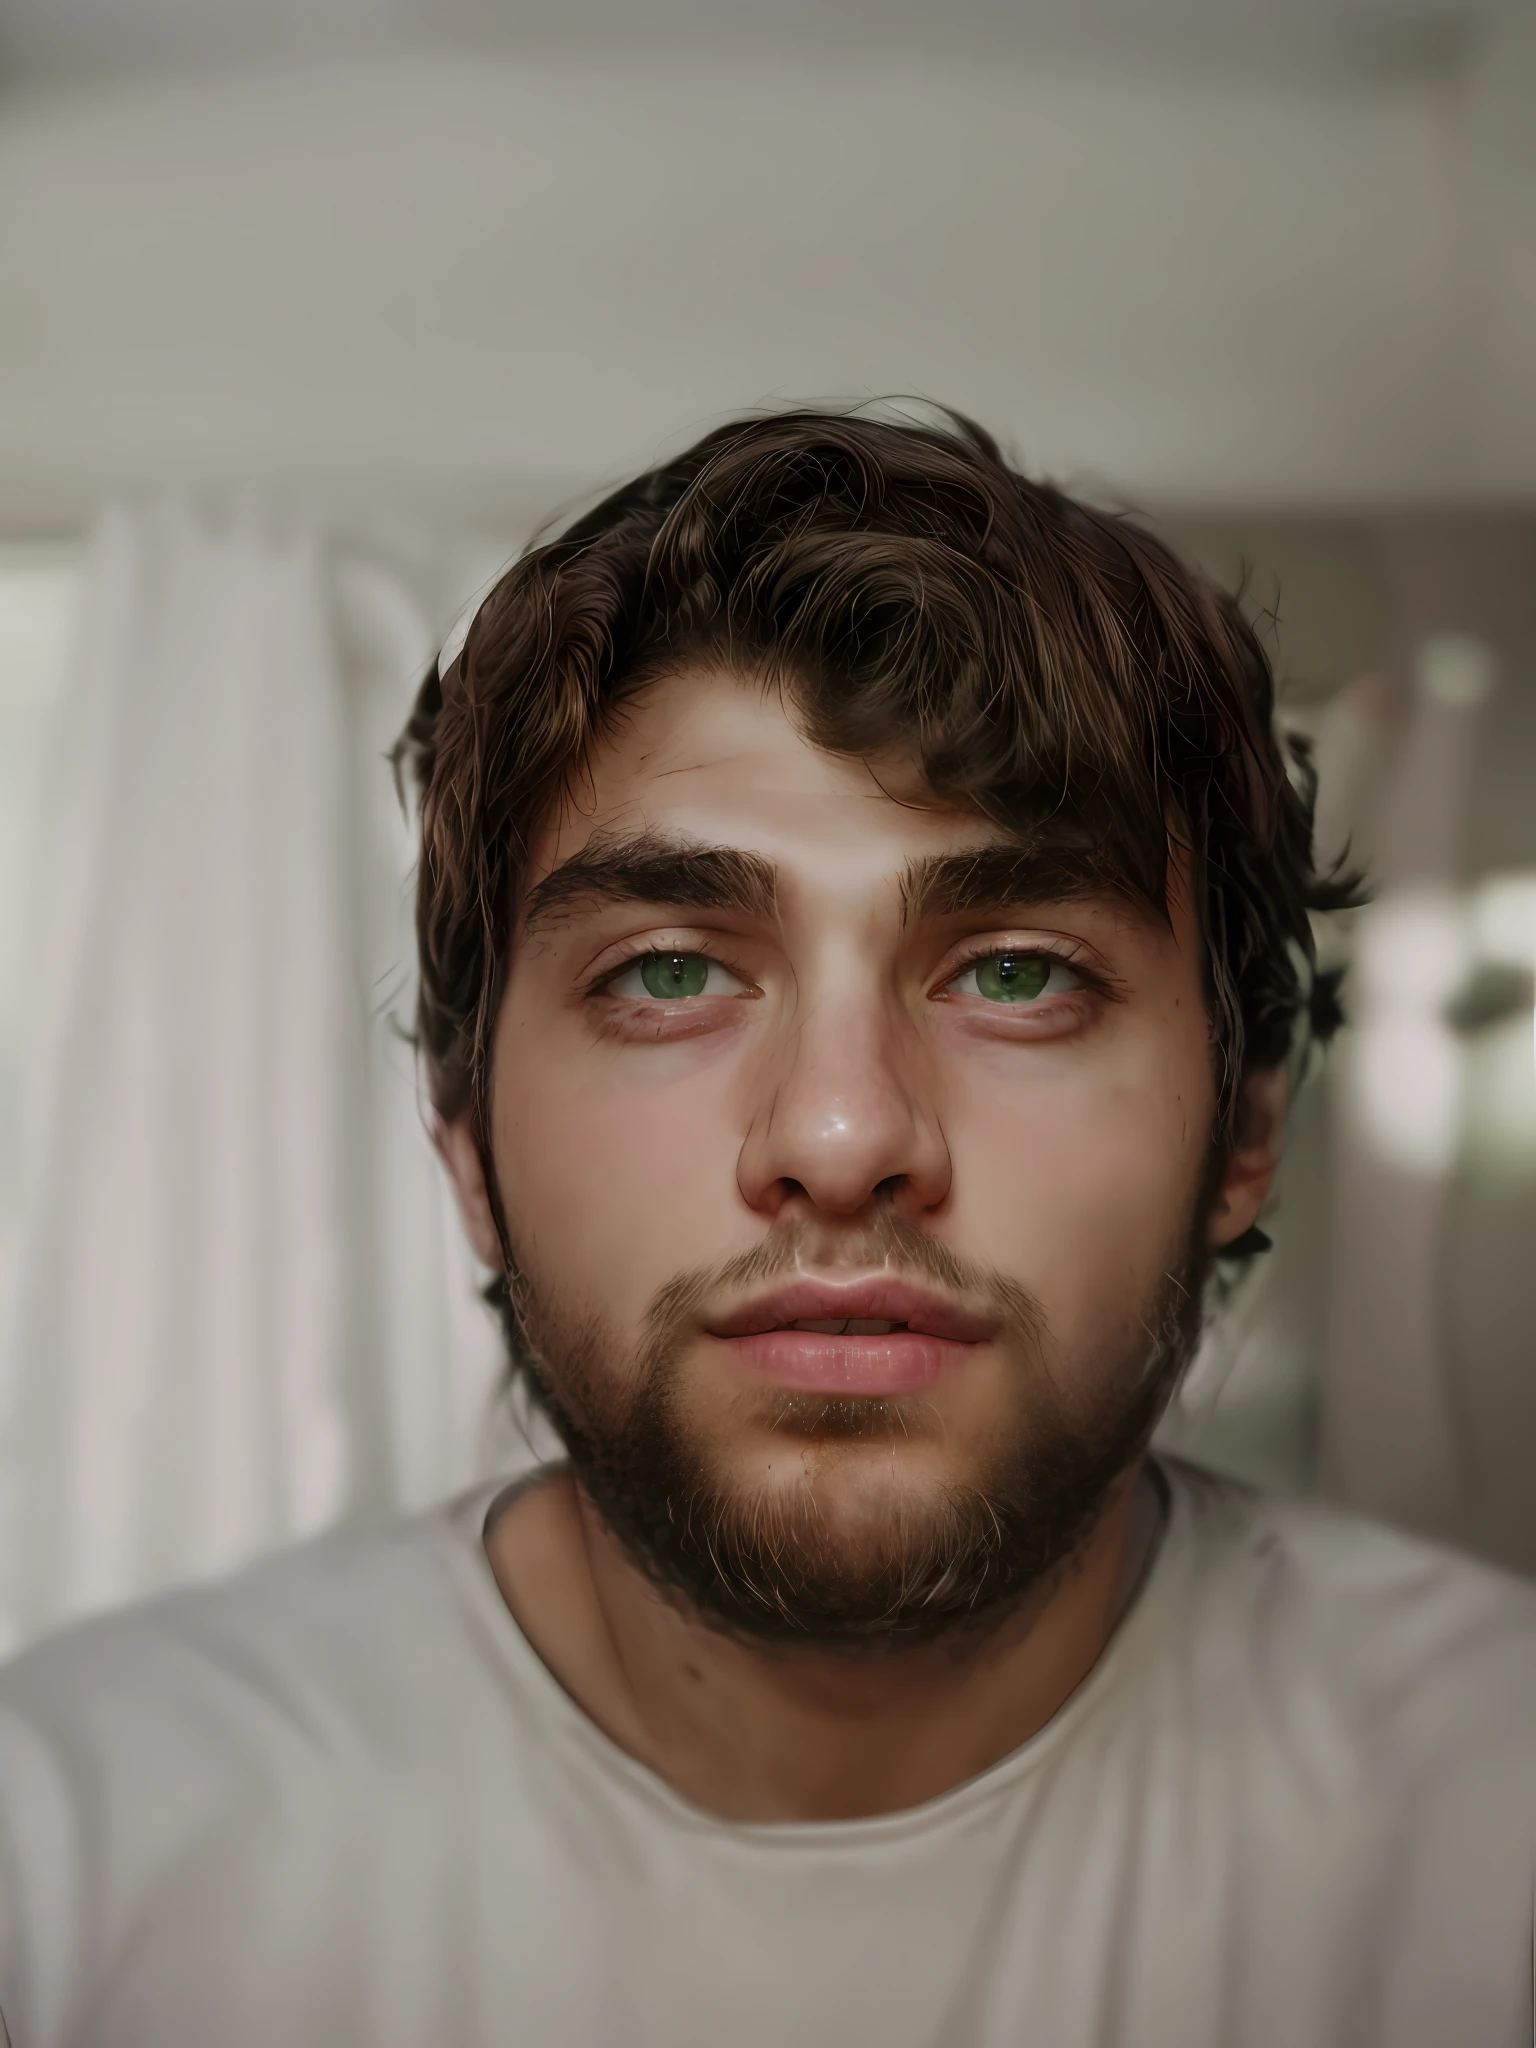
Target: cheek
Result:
[[1079, 1178], [616, 1173]]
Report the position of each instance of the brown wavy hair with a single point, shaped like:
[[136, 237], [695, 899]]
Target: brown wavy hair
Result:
[[1056, 669]]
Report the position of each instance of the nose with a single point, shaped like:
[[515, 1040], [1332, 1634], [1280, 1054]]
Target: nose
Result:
[[847, 1117]]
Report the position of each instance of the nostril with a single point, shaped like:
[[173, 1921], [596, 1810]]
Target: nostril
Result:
[[886, 1190]]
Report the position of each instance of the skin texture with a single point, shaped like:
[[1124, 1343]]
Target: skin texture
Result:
[[840, 1079]]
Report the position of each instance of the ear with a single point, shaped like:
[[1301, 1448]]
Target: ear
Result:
[[1250, 1169], [458, 1151]]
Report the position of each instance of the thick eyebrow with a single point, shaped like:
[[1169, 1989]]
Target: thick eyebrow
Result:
[[654, 867], [1004, 876]]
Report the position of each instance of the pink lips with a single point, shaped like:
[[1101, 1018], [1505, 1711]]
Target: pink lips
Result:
[[919, 1336]]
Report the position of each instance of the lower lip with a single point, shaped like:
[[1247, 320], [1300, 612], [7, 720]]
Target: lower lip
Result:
[[807, 1361]]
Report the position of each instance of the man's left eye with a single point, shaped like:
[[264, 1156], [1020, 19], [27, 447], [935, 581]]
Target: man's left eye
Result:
[[1016, 978], [673, 977]]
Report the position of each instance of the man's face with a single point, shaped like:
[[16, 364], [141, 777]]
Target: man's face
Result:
[[854, 1168]]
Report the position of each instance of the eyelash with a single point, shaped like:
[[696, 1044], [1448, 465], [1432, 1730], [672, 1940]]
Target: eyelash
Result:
[[1068, 956], [609, 975]]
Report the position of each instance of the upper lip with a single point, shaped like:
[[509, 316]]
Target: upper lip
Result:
[[879, 1298]]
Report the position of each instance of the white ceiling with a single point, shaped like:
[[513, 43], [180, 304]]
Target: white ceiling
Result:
[[50, 37], [494, 274]]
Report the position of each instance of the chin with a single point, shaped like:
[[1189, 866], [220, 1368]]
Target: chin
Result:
[[850, 1474]]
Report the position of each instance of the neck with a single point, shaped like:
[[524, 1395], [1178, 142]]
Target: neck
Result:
[[767, 1733]]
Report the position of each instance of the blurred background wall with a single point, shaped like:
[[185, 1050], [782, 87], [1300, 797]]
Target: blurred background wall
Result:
[[309, 314]]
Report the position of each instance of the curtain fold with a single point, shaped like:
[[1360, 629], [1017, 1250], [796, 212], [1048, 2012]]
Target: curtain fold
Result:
[[239, 1312]]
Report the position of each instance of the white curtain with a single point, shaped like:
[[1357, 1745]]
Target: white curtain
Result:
[[240, 1310]]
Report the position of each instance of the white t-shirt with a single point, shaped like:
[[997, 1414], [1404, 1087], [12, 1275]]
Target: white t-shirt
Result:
[[340, 1803]]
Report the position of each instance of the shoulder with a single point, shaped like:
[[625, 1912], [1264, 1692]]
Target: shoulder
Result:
[[1415, 1646], [235, 1735], [312, 1615], [1351, 1712], [164, 1716], [204, 1775]]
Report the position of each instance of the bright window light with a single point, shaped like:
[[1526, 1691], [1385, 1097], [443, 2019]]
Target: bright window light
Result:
[[1432, 1081]]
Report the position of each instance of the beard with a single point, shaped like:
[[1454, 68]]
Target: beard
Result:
[[784, 1566]]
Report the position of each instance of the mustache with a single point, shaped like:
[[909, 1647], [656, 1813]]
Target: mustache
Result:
[[887, 1242]]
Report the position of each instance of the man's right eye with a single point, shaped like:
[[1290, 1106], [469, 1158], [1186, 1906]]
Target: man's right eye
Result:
[[673, 978]]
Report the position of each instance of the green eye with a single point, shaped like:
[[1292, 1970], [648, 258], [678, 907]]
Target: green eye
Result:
[[1013, 977], [671, 975], [673, 978]]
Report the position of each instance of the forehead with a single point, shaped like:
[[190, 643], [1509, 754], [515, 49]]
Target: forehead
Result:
[[724, 760]]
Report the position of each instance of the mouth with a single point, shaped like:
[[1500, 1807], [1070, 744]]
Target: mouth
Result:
[[877, 1337]]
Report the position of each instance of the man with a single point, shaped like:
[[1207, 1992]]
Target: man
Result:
[[863, 915]]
